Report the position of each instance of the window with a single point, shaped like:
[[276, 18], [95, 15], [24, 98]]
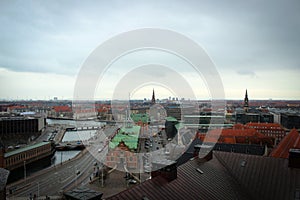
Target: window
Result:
[[243, 163]]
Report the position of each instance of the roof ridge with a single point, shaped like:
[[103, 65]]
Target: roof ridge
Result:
[[296, 142], [286, 143]]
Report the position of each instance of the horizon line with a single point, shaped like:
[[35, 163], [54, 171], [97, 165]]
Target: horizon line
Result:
[[166, 99]]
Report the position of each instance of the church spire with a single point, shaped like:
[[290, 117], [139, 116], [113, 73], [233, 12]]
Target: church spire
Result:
[[246, 102], [153, 98]]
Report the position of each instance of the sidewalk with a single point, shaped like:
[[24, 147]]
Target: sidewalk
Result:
[[38, 198]]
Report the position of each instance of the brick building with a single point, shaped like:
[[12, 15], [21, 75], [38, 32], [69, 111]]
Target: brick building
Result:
[[236, 136], [269, 129], [122, 151]]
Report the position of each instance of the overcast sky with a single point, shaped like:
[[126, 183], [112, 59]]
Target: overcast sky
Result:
[[254, 45]]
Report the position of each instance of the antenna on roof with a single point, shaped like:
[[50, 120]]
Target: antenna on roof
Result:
[[128, 121]]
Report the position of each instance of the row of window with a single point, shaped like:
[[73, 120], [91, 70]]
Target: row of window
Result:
[[265, 127], [112, 158], [121, 153], [278, 135], [271, 131], [26, 155]]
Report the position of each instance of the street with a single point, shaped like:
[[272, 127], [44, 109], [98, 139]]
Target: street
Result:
[[54, 180]]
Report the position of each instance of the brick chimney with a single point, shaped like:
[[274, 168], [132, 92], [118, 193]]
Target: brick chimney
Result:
[[294, 158]]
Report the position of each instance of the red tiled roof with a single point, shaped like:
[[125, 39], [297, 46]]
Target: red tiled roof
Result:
[[291, 140], [16, 107], [229, 140], [236, 132], [263, 125], [233, 136], [263, 128], [62, 109], [103, 109], [238, 126]]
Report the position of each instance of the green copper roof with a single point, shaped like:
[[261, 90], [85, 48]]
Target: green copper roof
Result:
[[140, 117], [171, 119], [129, 135], [179, 126], [131, 130]]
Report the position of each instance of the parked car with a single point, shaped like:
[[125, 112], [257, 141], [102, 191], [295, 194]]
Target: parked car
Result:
[[167, 152], [132, 181]]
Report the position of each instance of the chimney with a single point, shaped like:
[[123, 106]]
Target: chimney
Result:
[[206, 153], [208, 156], [168, 172], [294, 158], [196, 150]]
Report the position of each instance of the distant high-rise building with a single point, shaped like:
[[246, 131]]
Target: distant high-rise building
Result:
[[246, 102], [153, 98]]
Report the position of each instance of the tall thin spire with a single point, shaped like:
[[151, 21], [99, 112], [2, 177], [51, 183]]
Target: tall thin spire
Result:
[[128, 120], [246, 102], [153, 97]]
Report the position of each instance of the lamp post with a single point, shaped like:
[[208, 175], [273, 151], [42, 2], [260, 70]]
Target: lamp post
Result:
[[77, 172], [61, 157], [102, 182]]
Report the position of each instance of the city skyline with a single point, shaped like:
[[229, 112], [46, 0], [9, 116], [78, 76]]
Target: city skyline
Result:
[[253, 45]]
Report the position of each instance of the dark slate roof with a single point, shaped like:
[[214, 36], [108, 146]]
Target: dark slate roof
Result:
[[3, 178], [264, 177], [83, 193], [214, 183], [226, 176], [253, 149]]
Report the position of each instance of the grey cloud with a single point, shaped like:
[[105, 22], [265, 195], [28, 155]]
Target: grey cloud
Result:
[[48, 36], [247, 72]]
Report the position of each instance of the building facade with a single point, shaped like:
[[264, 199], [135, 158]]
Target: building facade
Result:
[[14, 130], [122, 149], [290, 121], [269, 129]]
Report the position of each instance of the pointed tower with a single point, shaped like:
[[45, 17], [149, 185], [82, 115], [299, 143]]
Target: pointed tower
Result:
[[153, 98], [246, 102]]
